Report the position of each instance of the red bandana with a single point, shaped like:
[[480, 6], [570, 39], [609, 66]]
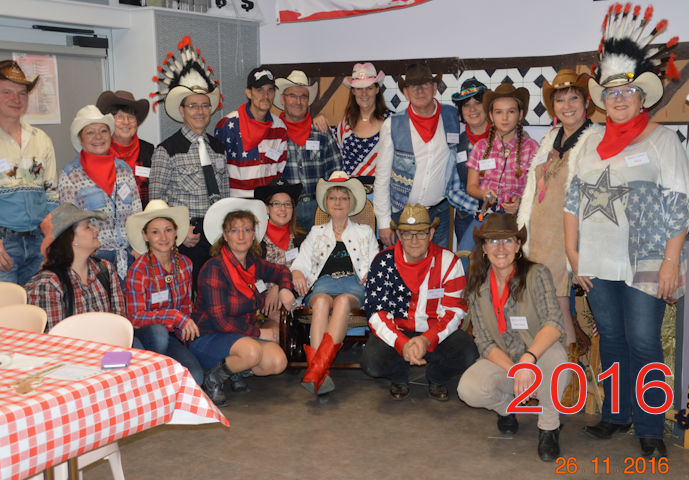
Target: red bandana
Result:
[[298, 132], [473, 139], [426, 126], [100, 169], [499, 302], [278, 235], [252, 130], [413, 273], [619, 135], [243, 279], [128, 153]]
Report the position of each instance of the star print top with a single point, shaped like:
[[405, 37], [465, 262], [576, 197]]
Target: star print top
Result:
[[628, 207], [358, 154]]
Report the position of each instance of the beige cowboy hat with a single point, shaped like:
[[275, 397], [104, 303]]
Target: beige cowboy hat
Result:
[[156, 209], [86, 116], [215, 216], [341, 179], [414, 217], [296, 78]]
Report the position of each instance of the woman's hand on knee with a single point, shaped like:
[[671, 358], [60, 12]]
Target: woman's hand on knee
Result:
[[299, 282]]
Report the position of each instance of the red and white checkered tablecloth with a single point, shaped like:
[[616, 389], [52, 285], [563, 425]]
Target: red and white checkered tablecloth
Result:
[[63, 419]]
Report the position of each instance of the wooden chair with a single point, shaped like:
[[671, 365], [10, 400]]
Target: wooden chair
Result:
[[105, 328], [23, 317], [11, 294], [291, 343]]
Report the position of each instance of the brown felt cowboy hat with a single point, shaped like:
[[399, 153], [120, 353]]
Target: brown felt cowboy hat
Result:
[[499, 225], [109, 100], [567, 78], [10, 70], [417, 74], [507, 90]]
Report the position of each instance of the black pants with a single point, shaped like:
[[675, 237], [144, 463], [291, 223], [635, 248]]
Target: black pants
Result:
[[451, 357], [199, 256]]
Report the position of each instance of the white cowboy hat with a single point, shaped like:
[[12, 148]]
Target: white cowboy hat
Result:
[[86, 116], [296, 78], [215, 216], [156, 209], [647, 81], [341, 179]]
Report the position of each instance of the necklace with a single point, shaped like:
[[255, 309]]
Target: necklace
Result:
[[168, 278]]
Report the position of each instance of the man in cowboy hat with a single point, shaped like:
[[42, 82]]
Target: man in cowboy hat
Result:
[[28, 181], [415, 309], [189, 168], [418, 148], [311, 154], [254, 140]]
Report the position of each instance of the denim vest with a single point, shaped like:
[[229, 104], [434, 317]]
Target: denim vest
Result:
[[403, 160]]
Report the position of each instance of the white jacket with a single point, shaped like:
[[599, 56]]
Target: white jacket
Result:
[[359, 240]]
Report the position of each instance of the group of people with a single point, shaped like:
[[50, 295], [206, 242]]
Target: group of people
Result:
[[201, 241]]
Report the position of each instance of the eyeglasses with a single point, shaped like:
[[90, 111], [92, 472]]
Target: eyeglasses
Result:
[[198, 106], [422, 235], [236, 231], [297, 98], [287, 205], [125, 117], [623, 92], [505, 242]]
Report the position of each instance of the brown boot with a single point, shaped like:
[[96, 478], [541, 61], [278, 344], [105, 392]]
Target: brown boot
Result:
[[317, 379]]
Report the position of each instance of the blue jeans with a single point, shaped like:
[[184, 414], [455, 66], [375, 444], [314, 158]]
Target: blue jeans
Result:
[[157, 338], [306, 211], [441, 237], [25, 252], [629, 322]]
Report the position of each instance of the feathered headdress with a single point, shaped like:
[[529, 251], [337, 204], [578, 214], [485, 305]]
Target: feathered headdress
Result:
[[178, 79], [626, 56]]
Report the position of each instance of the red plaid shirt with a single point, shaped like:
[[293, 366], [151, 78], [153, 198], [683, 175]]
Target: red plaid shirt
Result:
[[220, 307], [45, 290], [144, 280]]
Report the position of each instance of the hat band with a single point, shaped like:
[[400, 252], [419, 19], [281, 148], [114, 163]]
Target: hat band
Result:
[[338, 179], [498, 231], [563, 84], [470, 90], [628, 76]]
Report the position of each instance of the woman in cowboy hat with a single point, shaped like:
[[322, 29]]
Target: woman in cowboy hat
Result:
[[232, 287], [516, 319], [158, 286], [330, 272], [626, 217], [72, 280], [129, 114], [97, 180], [541, 209], [283, 237]]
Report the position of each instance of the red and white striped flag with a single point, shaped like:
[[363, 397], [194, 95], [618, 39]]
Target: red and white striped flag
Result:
[[305, 10]]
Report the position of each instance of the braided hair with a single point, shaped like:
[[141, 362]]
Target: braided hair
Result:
[[520, 137]]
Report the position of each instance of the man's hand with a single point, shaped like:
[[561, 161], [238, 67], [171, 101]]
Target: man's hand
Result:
[[415, 349], [387, 236], [192, 238], [6, 262], [321, 123]]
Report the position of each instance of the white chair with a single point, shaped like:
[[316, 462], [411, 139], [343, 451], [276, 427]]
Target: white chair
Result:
[[105, 328], [23, 317], [11, 294]]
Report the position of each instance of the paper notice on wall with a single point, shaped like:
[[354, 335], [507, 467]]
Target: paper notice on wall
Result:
[[242, 9], [306, 10], [44, 99]]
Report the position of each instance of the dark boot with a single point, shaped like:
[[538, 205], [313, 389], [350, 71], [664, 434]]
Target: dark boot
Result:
[[549, 444], [214, 383], [317, 377], [653, 447], [604, 430], [508, 424]]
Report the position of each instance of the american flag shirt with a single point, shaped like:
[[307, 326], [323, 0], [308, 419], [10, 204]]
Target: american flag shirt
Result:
[[437, 309], [358, 154]]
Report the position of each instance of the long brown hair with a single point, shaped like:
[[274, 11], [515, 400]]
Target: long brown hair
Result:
[[352, 111], [255, 249], [60, 254]]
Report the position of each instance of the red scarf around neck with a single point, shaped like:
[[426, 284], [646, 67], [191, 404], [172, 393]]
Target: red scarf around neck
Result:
[[499, 301], [619, 135], [413, 273], [278, 235], [298, 132], [100, 169], [426, 126], [252, 130], [473, 139], [128, 153], [243, 279]]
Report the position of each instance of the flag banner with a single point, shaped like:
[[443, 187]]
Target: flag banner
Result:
[[306, 10]]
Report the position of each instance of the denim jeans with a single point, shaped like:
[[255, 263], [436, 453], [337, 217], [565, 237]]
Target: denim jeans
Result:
[[629, 322], [157, 338], [25, 252], [306, 211]]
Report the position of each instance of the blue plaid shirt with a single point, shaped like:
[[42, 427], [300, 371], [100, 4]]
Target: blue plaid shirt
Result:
[[456, 190], [308, 166]]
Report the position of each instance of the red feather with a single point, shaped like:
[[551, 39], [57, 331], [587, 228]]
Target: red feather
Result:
[[637, 10], [156, 79], [648, 14], [671, 70], [673, 41], [169, 54], [160, 69], [627, 7], [184, 42], [605, 22], [661, 25], [618, 8]]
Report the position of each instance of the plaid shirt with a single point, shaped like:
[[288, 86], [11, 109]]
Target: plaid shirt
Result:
[[456, 191], [177, 176], [502, 178], [220, 307], [308, 166], [143, 280], [45, 290]]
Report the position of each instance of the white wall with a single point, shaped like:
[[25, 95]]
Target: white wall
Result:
[[453, 28]]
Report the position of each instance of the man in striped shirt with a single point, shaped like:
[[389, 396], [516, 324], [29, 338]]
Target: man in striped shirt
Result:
[[415, 309], [254, 140]]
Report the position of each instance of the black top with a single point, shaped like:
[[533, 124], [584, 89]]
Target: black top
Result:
[[339, 263]]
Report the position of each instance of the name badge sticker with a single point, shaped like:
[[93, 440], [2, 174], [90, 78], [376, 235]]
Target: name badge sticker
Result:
[[260, 286], [487, 164], [124, 191], [519, 323], [4, 165], [291, 254], [461, 156], [637, 159], [273, 154], [435, 293], [452, 137], [141, 171], [313, 144], [160, 297]]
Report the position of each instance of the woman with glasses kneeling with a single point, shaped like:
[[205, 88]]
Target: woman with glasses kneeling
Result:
[[516, 318], [232, 287]]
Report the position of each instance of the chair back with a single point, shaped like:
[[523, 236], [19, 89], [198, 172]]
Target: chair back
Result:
[[101, 327], [23, 317], [364, 217], [11, 294]]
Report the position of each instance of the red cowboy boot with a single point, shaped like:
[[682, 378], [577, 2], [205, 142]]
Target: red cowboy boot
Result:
[[317, 379]]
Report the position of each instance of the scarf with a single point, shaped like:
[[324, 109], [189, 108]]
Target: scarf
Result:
[[278, 235], [571, 140], [242, 279], [413, 274], [298, 132], [100, 169], [426, 126], [473, 139], [499, 302], [251, 130], [128, 153], [619, 135]]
